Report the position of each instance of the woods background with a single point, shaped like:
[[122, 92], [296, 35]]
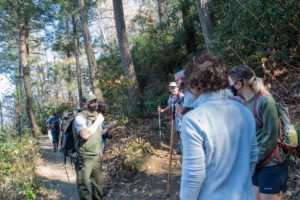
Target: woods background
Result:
[[55, 51]]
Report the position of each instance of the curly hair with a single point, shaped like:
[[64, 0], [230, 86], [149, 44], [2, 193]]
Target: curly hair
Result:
[[207, 73]]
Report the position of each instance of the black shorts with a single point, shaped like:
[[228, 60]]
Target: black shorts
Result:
[[271, 180]]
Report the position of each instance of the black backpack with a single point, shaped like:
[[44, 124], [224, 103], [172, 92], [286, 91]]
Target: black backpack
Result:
[[67, 139], [55, 124]]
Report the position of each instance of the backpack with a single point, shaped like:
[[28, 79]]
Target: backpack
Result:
[[67, 139], [55, 124], [288, 139]]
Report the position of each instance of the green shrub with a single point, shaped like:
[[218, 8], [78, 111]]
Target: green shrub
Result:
[[17, 169]]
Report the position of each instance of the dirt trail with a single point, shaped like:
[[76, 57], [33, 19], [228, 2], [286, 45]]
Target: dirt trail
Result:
[[147, 184], [59, 180]]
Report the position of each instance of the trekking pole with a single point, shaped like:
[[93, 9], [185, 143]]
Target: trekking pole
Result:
[[159, 126], [171, 146]]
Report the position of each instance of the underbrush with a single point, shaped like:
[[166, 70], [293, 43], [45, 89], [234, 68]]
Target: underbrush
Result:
[[17, 169]]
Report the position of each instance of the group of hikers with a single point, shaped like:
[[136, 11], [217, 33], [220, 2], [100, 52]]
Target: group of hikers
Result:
[[229, 130]]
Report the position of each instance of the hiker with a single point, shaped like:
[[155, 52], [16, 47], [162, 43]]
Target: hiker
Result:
[[176, 97], [271, 173], [87, 127], [49, 128], [54, 123], [188, 101], [219, 141]]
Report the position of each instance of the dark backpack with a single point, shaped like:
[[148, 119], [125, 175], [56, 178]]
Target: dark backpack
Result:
[[67, 139], [55, 124]]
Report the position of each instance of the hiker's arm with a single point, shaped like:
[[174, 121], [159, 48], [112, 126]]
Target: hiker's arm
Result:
[[104, 131], [109, 127], [85, 133], [270, 130], [193, 164], [166, 109]]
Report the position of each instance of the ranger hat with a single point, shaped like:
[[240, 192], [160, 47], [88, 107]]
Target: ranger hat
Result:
[[90, 97]]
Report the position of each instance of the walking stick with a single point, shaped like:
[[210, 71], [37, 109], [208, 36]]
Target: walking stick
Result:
[[159, 126], [171, 146]]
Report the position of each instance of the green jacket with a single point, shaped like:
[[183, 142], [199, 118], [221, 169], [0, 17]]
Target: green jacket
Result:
[[267, 134], [91, 146]]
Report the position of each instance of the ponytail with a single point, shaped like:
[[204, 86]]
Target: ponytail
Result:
[[257, 85]]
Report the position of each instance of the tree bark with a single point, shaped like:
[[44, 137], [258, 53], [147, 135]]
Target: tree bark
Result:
[[159, 9], [68, 52], [76, 52], [133, 88], [190, 38], [23, 62], [19, 95], [206, 23], [89, 51], [1, 114]]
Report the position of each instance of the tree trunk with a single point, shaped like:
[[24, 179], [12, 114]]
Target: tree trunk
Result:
[[126, 60], [205, 21], [159, 9], [76, 51], [89, 51], [1, 114], [19, 95], [69, 58], [23, 61], [190, 39]]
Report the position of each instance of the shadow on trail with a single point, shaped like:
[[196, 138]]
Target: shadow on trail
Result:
[[144, 186], [58, 189]]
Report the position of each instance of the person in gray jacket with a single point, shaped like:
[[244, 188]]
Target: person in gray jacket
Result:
[[219, 140]]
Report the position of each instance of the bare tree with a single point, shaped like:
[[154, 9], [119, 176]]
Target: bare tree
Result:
[[159, 9], [125, 52], [206, 23], [23, 27], [76, 52], [1, 114], [190, 38], [89, 50]]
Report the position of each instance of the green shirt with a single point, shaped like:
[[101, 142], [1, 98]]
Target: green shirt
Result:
[[267, 135]]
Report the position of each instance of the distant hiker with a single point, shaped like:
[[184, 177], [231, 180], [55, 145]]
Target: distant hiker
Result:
[[271, 174], [87, 127], [54, 123], [49, 129], [176, 97], [219, 141]]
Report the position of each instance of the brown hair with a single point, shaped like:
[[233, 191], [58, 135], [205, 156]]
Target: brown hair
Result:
[[207, 73], [247, 76]]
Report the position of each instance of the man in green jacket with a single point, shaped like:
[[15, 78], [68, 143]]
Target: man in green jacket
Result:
[[87, 128]]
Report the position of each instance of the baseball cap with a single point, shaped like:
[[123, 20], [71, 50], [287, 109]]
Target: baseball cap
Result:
[[172, 84]]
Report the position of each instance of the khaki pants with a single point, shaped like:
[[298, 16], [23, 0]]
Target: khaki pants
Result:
[[90, 172]]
